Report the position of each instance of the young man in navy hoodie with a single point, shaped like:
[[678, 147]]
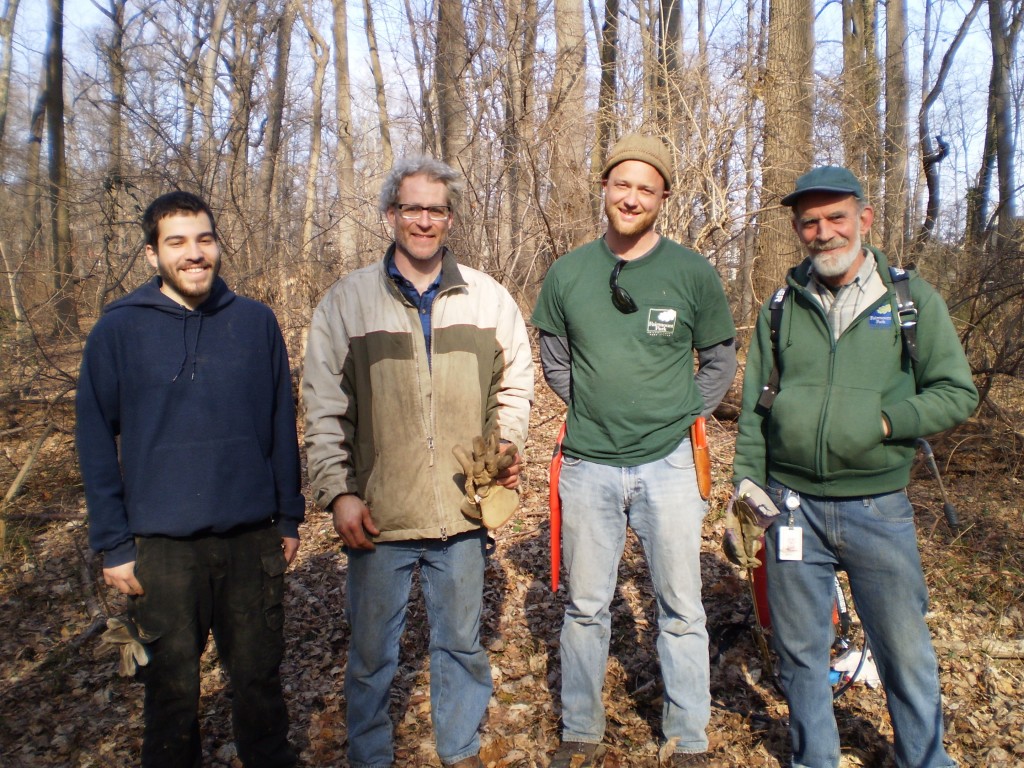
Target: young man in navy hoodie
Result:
[[187, 444]]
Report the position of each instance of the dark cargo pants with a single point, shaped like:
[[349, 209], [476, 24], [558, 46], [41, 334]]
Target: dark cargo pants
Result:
[[231, 583]]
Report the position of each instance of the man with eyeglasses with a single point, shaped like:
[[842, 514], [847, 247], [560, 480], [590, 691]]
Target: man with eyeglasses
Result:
[[619, 320], [408, 359]]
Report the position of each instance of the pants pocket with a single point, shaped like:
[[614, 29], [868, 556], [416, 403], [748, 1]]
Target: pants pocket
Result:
[[273, 565]]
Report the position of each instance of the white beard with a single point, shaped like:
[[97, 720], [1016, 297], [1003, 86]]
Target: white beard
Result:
[[834, 263]]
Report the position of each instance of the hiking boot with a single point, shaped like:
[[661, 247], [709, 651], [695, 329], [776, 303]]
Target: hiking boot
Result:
[[578, 754], [468, 762]]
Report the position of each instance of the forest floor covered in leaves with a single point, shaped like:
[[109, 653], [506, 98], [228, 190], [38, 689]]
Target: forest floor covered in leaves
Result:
[[62, 704]]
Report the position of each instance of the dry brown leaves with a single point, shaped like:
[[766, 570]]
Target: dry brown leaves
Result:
[[61, 703]]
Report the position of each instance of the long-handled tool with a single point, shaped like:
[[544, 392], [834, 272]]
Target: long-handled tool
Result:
[[948, 510], [555, 505]]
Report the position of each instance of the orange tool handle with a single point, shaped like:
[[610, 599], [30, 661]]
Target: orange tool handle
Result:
[[701, 456], [555, 505]]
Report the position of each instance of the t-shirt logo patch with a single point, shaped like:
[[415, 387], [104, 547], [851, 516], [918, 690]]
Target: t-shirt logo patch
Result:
[[661, 322], [881, 317]]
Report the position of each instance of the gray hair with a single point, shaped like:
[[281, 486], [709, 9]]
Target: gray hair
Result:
[[420, 165]]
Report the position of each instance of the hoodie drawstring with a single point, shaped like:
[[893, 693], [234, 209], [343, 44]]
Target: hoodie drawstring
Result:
[[184, 344]]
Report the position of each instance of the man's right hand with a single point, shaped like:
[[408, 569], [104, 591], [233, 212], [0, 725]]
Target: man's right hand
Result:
[[122, 578], [352, 521]]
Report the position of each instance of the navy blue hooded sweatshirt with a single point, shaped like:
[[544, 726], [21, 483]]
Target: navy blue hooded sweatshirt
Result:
[[202, 403]]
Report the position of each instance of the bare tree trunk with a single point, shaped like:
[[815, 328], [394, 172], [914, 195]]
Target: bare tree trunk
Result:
[[520, 30], [190, 81], [669, 45], [383, 123], [114, 202], [568, 208], [320, 53], [756, 30], [894, 227], [862, 88], [65, 308], [6, 58], [348, 207], [451, 66], [208, 150], [244, 38], [32, 216], [1004, 32], [788, 110], [275, 121], [431, 143], [13, 272], [604, 120]]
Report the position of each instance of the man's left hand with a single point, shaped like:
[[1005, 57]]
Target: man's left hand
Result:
[[290, 547]]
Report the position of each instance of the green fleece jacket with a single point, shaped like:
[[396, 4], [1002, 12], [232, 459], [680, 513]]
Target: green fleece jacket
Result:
[[823, 435]]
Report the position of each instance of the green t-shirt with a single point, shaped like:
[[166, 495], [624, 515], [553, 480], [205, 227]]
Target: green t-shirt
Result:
[[633, 394]]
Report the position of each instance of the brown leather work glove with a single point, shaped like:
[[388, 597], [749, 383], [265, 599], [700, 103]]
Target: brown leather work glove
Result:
[[485, 499], [742, 539], [122, 634]]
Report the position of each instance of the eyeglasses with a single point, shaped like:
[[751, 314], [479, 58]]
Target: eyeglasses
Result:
[[620, 296], [411, 211]]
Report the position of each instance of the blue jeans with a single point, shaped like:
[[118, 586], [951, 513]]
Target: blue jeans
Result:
[[232, 583], [452, 579], [660, 501], [874, 540]]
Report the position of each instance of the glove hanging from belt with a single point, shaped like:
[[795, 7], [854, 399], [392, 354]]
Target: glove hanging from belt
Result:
[[750, 511], [485, 500]]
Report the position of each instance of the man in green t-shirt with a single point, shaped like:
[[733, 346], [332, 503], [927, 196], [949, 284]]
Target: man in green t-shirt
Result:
[[619, 319]]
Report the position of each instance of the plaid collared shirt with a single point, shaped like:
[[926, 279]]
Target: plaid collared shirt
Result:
[[843, 305]]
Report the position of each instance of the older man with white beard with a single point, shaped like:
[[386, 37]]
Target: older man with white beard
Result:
[[833, 448]]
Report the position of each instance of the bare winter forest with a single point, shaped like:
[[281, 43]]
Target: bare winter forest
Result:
[[287, 114]]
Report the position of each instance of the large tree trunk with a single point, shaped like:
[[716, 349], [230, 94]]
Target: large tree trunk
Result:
[[348, 204], [451, 65], [65, 307], [894, 227], [568, 210], [862, 88], [788, 111], [520, 33]]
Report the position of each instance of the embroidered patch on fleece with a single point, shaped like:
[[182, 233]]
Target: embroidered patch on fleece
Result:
[[881, 317], [661, 322]]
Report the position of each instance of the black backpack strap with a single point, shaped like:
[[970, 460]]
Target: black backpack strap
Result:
[[771, 387], [906, 311]]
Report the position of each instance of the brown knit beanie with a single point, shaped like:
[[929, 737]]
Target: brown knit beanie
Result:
[[646, 149]]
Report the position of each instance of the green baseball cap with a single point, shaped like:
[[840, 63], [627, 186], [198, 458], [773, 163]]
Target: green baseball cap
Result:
[[827, 178]]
